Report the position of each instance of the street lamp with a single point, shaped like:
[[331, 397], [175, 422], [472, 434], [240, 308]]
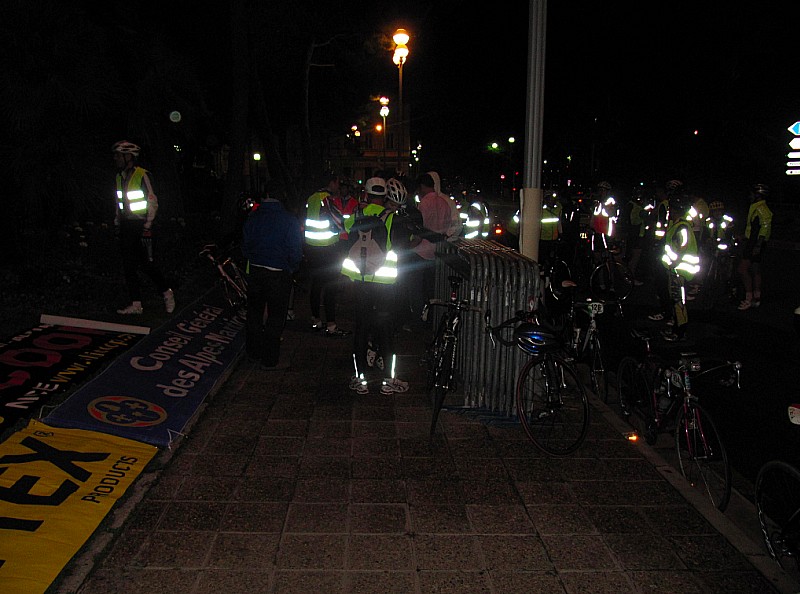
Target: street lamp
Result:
[[384, 101], [400, 56], [256, 158]]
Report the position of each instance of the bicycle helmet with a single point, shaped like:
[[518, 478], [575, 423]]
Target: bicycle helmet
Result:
[[716, 205], [535, 339], [126, 148], [673, 185], [603, 185], [396, 191], [760, 190]]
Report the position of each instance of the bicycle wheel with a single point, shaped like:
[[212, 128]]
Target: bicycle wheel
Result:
[[778, 504], [433, 354], [701, 454], [443, 375], [611, 280], [635, 400], [597, 371], [552, 405]]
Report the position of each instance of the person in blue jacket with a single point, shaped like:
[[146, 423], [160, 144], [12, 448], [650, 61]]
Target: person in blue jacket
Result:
[[272, 243]]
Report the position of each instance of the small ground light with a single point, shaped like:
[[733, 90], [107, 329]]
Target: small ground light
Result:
[[632, 436]]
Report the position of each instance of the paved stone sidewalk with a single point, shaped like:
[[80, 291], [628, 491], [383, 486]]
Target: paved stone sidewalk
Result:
[[290, 482]]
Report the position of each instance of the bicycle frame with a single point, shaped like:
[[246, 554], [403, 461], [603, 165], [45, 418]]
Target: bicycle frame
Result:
[[442, 352], [235, 286]]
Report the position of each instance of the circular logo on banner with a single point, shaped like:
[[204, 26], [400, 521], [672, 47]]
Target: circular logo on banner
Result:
[[175, 116], [125, 411]]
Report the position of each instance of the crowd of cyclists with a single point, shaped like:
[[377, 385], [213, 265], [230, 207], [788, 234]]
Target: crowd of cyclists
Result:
[[687, 246]]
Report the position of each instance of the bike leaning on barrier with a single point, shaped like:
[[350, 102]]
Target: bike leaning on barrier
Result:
[[551, 400]]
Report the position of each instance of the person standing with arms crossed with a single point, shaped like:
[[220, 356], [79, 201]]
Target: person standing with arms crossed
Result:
[[137, 205], [273, 245]]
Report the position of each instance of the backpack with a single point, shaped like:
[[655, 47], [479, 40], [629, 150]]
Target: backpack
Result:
[[368, 239]]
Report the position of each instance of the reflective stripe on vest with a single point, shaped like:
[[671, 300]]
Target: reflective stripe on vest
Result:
[[680, 250], [385, 275], [551, 215], [132, 193], [318, 228]]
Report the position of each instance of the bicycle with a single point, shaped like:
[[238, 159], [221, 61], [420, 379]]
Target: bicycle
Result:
[[441, 353], [234, 284], [610, 279], [777, 499], [585, 342], [550, 398], [658, 392], [718, 283]]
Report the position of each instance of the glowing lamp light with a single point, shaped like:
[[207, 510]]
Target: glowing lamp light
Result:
[[400, 37], [400, 54], [632, 436]]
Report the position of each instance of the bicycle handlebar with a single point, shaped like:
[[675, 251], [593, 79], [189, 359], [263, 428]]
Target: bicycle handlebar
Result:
[[462, 305], [494, 331]]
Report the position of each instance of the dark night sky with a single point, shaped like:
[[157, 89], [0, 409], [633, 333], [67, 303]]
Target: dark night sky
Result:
[[649, 72], [626, 81]]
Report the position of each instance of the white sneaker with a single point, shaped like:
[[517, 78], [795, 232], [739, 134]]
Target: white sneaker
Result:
[[134, 308], [393, 385], [359, 385], [169, 300]]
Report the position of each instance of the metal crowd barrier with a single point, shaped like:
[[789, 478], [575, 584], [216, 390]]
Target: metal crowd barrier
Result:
[[499, 279]]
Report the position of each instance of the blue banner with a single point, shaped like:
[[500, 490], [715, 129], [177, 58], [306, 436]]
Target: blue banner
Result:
[[42, 363], [151, 391]]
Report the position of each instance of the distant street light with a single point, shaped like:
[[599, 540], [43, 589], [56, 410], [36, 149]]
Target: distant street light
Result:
[[400, 56], [256, 158], [384, 101]]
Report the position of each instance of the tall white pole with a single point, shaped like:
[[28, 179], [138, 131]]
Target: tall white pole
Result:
[[530, 208]]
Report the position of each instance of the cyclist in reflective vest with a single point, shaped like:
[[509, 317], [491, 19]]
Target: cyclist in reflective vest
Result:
[[719, 228], [551, 228], [756, 236], [137, 205], [681, 260], [636, 232], [603, 220], [374, 296], [323, 255]]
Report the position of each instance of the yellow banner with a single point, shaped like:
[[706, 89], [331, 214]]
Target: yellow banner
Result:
[[56, 486]]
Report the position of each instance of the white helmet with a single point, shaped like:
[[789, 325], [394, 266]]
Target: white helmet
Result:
[[126, 148], [396, 191]]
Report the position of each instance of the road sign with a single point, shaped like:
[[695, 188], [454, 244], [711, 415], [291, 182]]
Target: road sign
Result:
[[793, 172], [795, 128], [793, 163], [795, 143]]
